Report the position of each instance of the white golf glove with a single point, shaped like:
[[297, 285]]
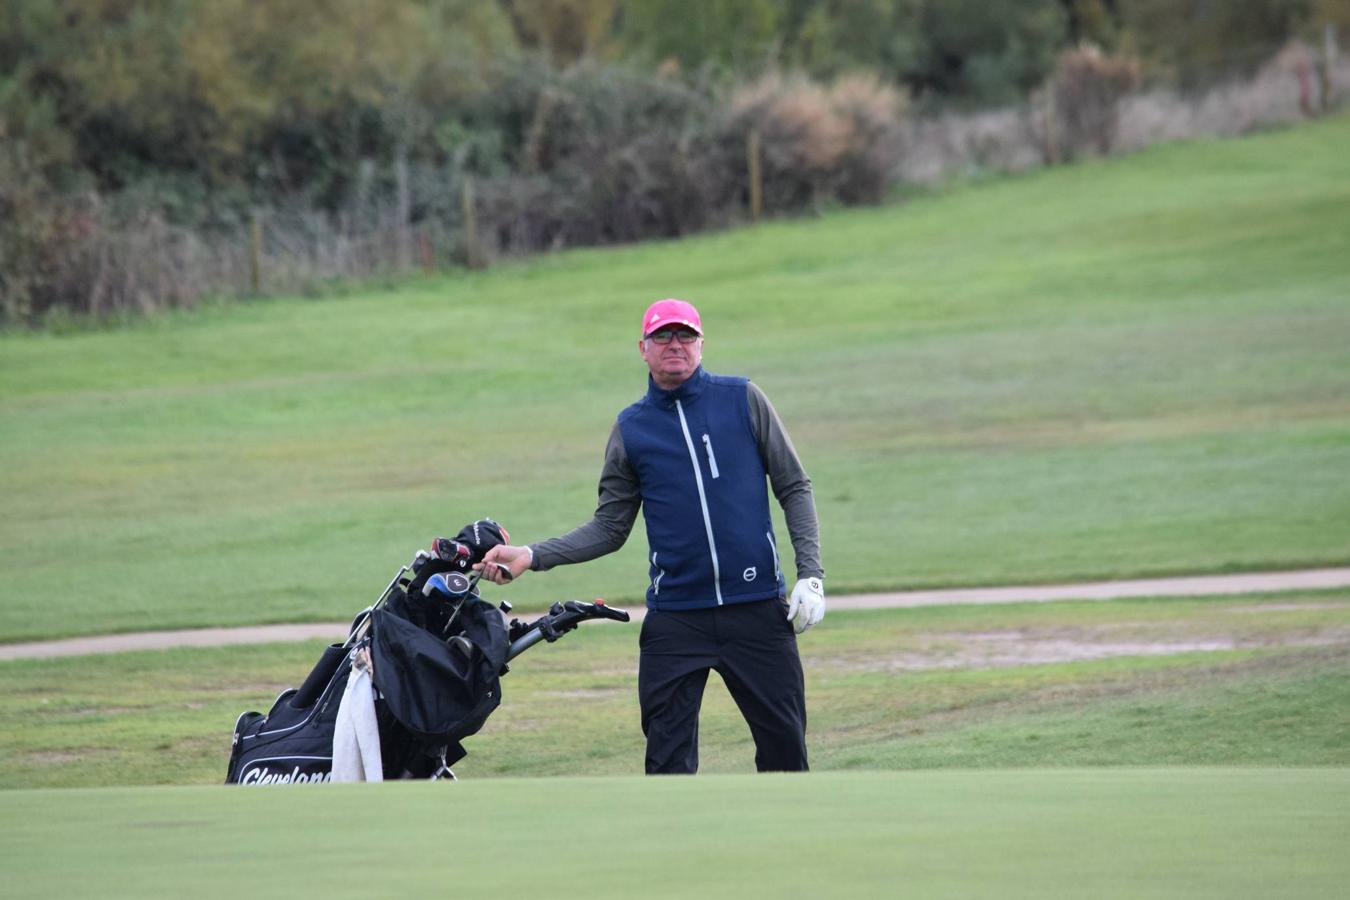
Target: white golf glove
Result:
[[806, 607]]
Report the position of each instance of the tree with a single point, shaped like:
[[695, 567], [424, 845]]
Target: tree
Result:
[[565, 30], [240, 95], [1092, 22], [732, 34], [827, 37], [986, 51], [1197, 42]]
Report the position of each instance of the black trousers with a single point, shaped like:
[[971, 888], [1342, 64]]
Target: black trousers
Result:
[[753, 647]]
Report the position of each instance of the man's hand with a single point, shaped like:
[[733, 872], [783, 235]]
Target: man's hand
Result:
[[806, 607], [516, 560]]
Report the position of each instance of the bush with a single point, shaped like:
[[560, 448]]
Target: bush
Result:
[[44, 238], [599, 155], [1276, 96], [817, 143], [969, 145], [873, 111], [595, 154], [28, 224], [801, 136], [1088, 87], [608, 154]]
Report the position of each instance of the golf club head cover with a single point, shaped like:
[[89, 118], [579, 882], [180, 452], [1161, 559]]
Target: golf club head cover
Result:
[[452, 551], [480, 537]]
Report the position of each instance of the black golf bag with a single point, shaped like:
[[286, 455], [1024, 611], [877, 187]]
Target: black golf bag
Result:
[[437, 653]]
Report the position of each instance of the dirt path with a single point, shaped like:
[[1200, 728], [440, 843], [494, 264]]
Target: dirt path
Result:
[[1192, 586]]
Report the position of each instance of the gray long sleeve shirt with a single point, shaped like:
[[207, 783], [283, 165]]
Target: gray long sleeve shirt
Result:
[[621, 498]]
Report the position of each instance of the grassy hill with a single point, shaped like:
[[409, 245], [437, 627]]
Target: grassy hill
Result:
[[1131, 367]]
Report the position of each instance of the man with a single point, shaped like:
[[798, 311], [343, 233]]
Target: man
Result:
[[694, 454]]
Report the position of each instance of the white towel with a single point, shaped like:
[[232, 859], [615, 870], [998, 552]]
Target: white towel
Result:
[[356, 741]]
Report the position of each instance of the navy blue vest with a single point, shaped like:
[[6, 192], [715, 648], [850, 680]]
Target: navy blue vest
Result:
[[704, 494]]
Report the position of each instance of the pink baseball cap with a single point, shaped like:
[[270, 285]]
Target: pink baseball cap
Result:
[[671, 312]]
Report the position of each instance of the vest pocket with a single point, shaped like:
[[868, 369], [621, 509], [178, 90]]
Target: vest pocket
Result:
[[712, 460], [777, 565]]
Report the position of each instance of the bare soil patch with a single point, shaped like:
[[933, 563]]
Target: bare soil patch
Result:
[[1285, 607], [1004, 649]]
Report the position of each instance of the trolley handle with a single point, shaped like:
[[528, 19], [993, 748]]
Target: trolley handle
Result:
[[600, 610], [560, 619]]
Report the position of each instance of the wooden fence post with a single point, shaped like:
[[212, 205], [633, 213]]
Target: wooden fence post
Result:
[[255, 241], [1050, 148], [472, 259], [756, 175], [403, 235], [426, 252], [1328, 66]]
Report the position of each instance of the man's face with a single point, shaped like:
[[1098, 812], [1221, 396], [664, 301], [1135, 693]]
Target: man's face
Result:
[[672, 354]]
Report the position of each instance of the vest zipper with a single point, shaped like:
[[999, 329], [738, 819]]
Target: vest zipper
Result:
[[777, 565], [660, 572], [703, 501], [712, 460]]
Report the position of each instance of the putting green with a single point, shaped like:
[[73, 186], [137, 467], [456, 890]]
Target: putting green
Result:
[[1104, 833]]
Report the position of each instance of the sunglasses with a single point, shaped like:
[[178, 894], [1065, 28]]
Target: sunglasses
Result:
[[665, 335]]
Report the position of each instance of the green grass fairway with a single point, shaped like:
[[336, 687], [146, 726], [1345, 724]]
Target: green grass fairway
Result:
[[1253, 681], [1145, 833], [1137, 366]]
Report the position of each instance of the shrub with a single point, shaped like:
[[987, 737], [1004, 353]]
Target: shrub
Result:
[[817, 143], [802, 137], [1088, 86], [872, 111], [595, 154], [600, 154], [967, 145], [44, 237], [1276, 96]]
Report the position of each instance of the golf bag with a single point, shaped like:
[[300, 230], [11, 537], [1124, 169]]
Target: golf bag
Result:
[[437, 652]]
